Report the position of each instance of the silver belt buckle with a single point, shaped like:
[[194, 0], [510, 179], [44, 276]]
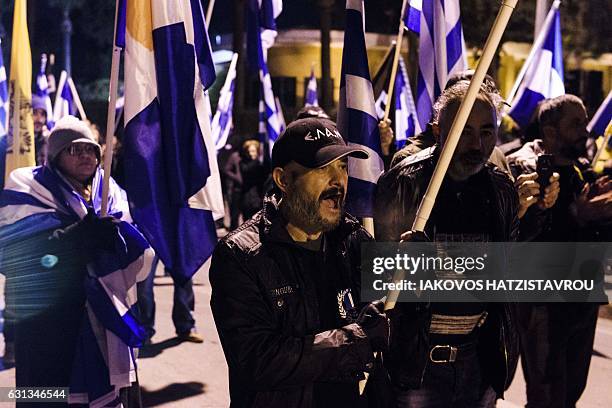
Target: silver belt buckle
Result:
[[452, 354]]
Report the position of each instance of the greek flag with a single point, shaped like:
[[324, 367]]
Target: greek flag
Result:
[[65, 98], [4, 104], [222, 122], [261, 32], [406, 120], [544, 76], [311, 91], [441, 49], [172, 176], [42, 90], [38, 199], [357, 120], [602, 117]]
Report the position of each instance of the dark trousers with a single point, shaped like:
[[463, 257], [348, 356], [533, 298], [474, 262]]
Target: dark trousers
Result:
[[233, 202], [182, 308], [451, 385], [556, 348]]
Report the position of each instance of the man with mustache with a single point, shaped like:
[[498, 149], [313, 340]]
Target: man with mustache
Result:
[[285, 284], [451, 354], [557, 338]]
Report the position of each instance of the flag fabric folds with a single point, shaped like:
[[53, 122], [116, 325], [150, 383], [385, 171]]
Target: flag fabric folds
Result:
[[544, 76], [357, 120], [222, 122], [42, 90], [311, 98], [602, 117], [406, 120], [441, 49], [261, 27], [172, 176], [20, 137]]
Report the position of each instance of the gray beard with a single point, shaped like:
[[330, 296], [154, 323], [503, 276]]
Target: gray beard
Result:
[[303, 212]]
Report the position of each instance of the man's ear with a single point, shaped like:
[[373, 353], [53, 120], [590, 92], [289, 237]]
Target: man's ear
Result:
[[279, 175], [435, 128]]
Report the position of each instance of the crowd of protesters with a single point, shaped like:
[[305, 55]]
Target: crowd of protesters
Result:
[[286, 278]]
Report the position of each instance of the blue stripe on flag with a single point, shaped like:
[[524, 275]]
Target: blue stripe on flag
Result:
[[454, 46], [121, 20], [202, 45]]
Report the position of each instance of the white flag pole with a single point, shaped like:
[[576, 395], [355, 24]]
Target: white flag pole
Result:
[[110, 117], [77, 99]]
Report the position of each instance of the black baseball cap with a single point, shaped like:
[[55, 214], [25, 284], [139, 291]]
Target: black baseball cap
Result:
[[313, 143]]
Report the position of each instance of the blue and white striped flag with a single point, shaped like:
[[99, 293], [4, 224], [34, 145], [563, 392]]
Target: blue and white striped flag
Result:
[[172, 176], [602, 117], [311, 91], [261, 27], [441, 49], [64, 99], [222, 122], [4, 105], [357, 121], [42, 90], [544, 76], [406, 120]]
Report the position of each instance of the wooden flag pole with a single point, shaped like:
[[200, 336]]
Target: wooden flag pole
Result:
[[110, 117], [398, 47], [77, 99], [604, 143], [209, 11], [428, 201]]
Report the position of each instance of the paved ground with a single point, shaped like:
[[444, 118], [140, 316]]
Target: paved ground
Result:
[[195, 375]]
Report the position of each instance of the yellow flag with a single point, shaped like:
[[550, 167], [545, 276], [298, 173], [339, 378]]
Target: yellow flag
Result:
[[20, 138]]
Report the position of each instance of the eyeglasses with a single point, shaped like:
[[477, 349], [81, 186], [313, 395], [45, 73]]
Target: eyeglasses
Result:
[[78, 149]]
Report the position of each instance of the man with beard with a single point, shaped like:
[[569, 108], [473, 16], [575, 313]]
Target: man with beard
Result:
[[285, 284], [41, 132], [451, 354], [557, 338]]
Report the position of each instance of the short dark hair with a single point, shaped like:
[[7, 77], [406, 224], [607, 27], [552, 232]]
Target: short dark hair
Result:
[[551, 110], [456, 93]]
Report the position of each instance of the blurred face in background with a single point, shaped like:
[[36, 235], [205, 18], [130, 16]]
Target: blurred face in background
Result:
[[40, 119]]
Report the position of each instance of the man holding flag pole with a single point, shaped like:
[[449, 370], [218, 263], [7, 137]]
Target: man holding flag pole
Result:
[[445, 193]]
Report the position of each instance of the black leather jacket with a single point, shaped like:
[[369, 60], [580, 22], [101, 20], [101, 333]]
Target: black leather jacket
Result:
[[265, 307], [398, 196]]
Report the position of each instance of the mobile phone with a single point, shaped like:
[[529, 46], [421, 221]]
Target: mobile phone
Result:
[[544, 168]]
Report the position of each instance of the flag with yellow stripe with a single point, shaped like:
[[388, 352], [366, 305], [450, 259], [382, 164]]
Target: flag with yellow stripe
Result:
[[20, 138]]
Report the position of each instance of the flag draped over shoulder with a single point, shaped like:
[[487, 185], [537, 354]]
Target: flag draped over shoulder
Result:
[[357, 120], [42, 90], [20, 138], [172, 177], [544, 76], [38, 199], [311, 98], [441, 49], [222, 122]]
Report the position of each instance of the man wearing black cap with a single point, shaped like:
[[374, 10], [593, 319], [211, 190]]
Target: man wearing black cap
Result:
[[285, 285]]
